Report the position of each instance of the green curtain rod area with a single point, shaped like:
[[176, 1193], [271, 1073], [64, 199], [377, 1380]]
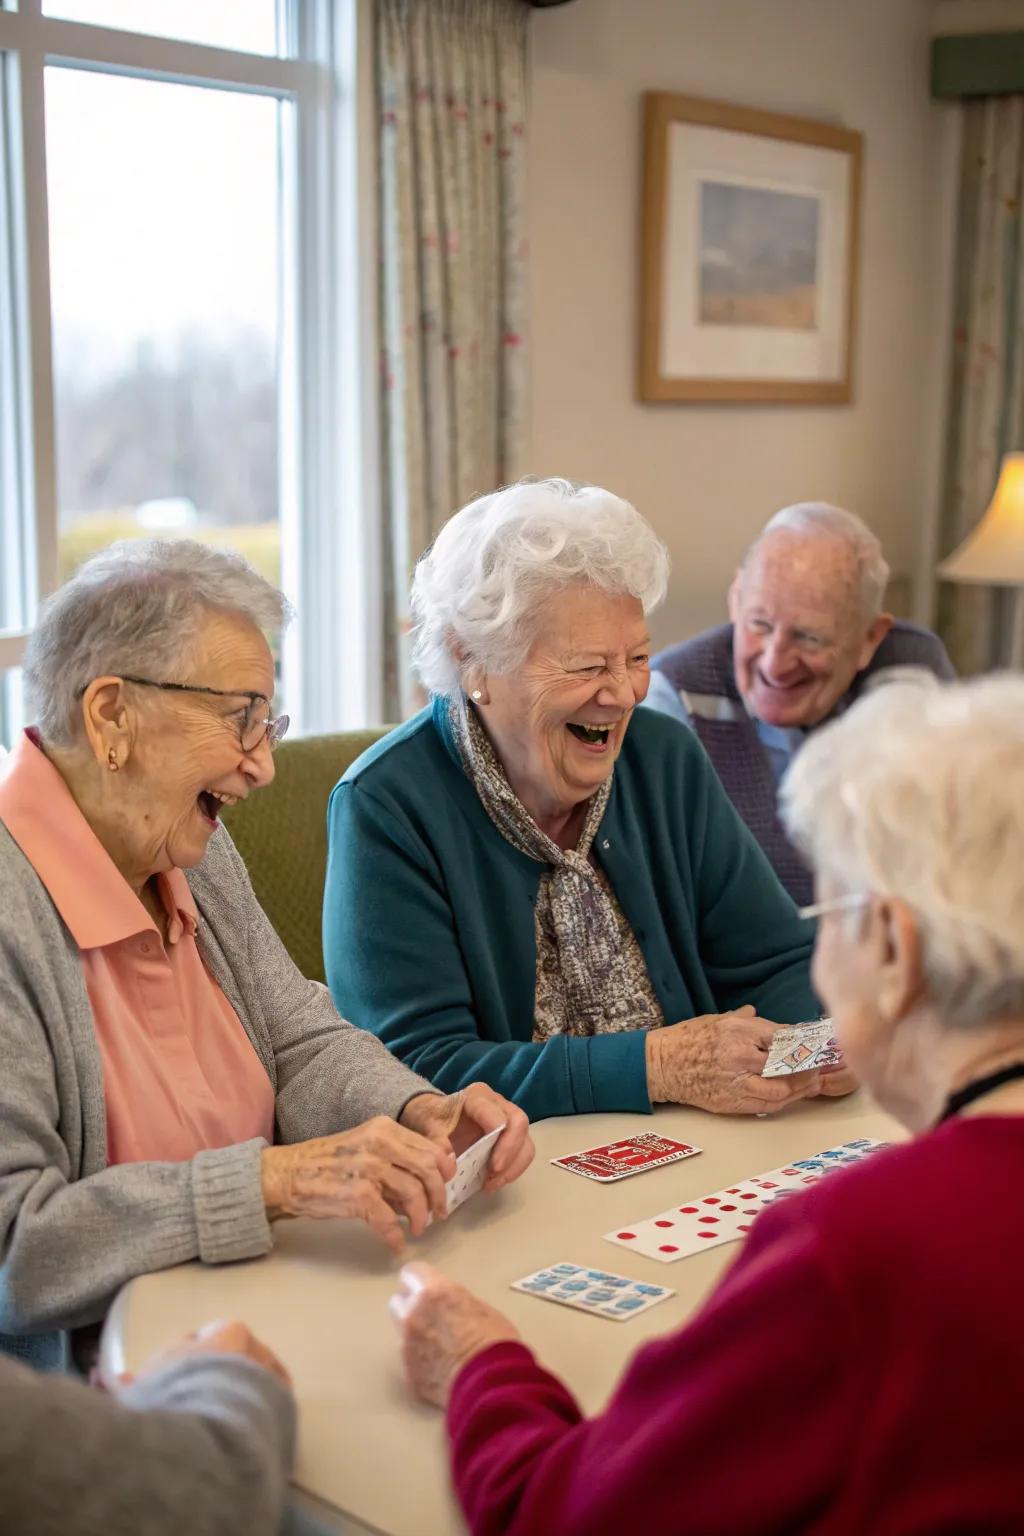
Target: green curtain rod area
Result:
[[985, 64]]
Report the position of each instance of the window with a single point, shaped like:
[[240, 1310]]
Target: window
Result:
[[190, 354], [251, 26], [165, 283]]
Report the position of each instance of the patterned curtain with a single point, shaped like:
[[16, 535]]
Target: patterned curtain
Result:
[[451, 92], [987, 399]]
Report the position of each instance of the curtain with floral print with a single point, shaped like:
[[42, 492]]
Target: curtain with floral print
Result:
[[451, 97], [986, 417]]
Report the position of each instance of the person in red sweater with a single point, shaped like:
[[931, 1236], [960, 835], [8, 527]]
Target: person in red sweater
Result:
[[861, 1366]]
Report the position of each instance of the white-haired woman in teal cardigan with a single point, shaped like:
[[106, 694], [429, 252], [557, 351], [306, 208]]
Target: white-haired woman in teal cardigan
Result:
[[533, 885]]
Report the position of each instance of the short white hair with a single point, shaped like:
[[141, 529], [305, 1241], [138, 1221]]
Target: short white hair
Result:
[[822, 519], [918, 793], [136, 607], [477, 591]]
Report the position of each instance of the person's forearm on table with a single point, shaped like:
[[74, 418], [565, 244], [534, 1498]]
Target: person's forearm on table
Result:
[[203, 1446], [506, 1416], [69, 1246], [566, 1075]]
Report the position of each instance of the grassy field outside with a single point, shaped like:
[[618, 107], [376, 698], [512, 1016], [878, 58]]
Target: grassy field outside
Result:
[[260, 543]]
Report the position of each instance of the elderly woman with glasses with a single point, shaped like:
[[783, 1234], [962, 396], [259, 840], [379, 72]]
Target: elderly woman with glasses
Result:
[[533, 882], [170, 1085], [861, 1367]]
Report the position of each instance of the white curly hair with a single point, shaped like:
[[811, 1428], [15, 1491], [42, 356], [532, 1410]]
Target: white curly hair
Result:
[[477, 591]]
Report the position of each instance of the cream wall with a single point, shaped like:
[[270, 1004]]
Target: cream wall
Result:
[[707, 476]]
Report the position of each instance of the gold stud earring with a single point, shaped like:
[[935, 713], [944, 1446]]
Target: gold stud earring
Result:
[[112, 762]]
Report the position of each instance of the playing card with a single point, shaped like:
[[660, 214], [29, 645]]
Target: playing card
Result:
[[621, 1159], [726, 1215], [470, 1170], [593, 1290], [802, 1048]]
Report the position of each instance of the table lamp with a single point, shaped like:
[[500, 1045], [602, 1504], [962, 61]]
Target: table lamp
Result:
[[993, 555]]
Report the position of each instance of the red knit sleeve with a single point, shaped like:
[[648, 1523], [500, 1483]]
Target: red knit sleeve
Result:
[[734, 1423]]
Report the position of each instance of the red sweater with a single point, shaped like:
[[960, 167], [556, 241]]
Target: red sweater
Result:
[[859, 1370]]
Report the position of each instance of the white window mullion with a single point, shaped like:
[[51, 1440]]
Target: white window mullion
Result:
[[39, 429], [338, 574]]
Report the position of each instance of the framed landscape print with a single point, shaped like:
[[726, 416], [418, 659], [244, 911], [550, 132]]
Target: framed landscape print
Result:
[[749, 261]]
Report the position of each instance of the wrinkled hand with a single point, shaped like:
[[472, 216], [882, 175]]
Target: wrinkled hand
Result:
[[715, 1061], [836, 1082], [455, 1121], [214, 1339], [443, 1326], [374, 1173]]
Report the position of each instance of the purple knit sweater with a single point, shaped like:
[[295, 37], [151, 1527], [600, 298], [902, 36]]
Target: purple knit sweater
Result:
[[704, 665]]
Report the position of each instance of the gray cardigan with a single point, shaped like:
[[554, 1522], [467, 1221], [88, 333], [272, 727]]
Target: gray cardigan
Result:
[[72, 1230], [203, 1446]]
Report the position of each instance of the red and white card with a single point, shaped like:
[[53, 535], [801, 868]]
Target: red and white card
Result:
[[621, 1159], [726, 1216]]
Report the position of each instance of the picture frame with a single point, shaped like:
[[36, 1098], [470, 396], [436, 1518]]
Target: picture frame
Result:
[[750, 233]]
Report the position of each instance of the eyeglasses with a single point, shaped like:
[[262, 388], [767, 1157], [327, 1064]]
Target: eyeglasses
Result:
[[258, 722], [836, 904]]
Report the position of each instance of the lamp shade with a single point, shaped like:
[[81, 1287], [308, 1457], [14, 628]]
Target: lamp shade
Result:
[[994, 552]]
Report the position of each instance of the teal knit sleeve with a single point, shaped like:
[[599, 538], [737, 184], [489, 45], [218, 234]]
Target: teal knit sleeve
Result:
[[395, 966]]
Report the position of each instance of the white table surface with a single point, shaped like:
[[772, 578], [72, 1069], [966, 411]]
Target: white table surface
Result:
[[370, 1457]]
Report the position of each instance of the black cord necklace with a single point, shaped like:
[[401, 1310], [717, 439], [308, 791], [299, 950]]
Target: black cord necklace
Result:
[[980, 1086]]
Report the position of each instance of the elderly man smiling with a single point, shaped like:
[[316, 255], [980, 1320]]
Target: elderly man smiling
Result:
[[808, 636]]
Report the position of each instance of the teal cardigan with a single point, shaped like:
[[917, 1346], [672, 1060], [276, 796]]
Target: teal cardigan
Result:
[[429, 916]]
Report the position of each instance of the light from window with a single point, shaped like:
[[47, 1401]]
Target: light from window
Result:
[[165, 253], [12, 710], [12, 498], [248, 25]]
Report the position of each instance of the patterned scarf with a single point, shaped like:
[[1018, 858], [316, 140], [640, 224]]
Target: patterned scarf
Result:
[[591, 974]]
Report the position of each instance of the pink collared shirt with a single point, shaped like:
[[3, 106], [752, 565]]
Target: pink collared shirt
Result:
[[179, 1071]]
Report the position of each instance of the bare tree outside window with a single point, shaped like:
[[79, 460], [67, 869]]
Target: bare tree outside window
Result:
[[165, 261]]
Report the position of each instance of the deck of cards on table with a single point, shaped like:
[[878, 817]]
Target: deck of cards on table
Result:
[[592, 1290], [621, 1159], [802, 1048], [726, 1215]]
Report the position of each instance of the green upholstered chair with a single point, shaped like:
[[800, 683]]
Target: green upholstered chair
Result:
[[281, 833]]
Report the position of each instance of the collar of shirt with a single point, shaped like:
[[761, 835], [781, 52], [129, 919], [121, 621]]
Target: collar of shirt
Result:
[[781, 738], [88, 890]]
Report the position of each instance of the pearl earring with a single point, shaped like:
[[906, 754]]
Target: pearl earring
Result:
[[477, 694], [112, 762]]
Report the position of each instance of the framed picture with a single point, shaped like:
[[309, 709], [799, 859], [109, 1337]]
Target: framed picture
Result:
[[749, 264]]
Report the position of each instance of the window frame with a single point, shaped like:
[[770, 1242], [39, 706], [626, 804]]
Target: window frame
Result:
[[329, 486]]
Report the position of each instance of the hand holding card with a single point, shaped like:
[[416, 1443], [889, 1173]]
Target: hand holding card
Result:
[[470, 1170]]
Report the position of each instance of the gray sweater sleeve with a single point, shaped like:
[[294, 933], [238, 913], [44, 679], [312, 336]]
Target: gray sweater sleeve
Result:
[[202, 1446], [69, 1244], [73, 1231], [329, 1075]]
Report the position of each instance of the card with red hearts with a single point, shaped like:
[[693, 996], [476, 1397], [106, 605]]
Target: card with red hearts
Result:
[[621, 1159], [726, 1216]]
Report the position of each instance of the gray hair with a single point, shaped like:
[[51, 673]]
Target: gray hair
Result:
[[917, 793], [137, 606], [478, 590], [821, 519]]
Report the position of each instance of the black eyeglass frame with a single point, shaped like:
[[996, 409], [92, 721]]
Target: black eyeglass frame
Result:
[[274, 726]]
